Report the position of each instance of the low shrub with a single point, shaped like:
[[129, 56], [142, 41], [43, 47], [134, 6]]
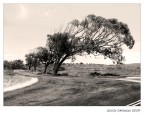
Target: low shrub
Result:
[[95, 74], [110, 74], [106, 74], [63, 74]]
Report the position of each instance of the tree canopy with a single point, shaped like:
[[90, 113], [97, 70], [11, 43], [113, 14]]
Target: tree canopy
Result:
[[93, 35], [32, 60], [44, 56], [29, 60]]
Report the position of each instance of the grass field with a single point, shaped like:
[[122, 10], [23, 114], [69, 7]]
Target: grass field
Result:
[[84, 70], [79, 88]]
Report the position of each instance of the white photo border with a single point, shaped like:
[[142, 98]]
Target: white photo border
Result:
[[67, 110]]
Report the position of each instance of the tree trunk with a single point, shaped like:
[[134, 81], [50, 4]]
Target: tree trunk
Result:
[[55, 69], [57, 65], [29, 67], [46, 65], [35, 68]]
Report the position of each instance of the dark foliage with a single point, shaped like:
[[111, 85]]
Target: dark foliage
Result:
[[16, 64], [93, 35], [99, 74], [32, 60]]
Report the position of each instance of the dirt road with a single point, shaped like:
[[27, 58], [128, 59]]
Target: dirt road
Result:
[[131, 79], [21, 85]]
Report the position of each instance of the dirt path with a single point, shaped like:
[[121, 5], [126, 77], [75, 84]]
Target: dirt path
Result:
[[21, 85], [131, 79]]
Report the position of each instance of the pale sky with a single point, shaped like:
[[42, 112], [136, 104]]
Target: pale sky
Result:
[[26, 26]]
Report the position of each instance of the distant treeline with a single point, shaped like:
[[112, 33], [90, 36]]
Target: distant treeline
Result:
[[15, 64]]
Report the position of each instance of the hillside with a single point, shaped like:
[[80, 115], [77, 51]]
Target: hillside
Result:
[[84, 70]]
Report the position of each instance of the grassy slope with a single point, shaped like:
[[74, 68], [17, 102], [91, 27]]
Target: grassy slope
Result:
[[84, 70], [77, 91]]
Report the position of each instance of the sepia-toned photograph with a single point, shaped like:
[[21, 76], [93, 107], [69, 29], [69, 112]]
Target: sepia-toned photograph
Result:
[[72, 54]]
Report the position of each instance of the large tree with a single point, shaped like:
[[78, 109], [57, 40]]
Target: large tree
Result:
[[93, 35], [32, 60], [44, 56], [29, 60], [36, 61]]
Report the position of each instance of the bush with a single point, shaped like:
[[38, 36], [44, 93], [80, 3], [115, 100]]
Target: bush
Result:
[[106, 74], [81, 63], [95, 74], [110, 74], [63, 74]]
